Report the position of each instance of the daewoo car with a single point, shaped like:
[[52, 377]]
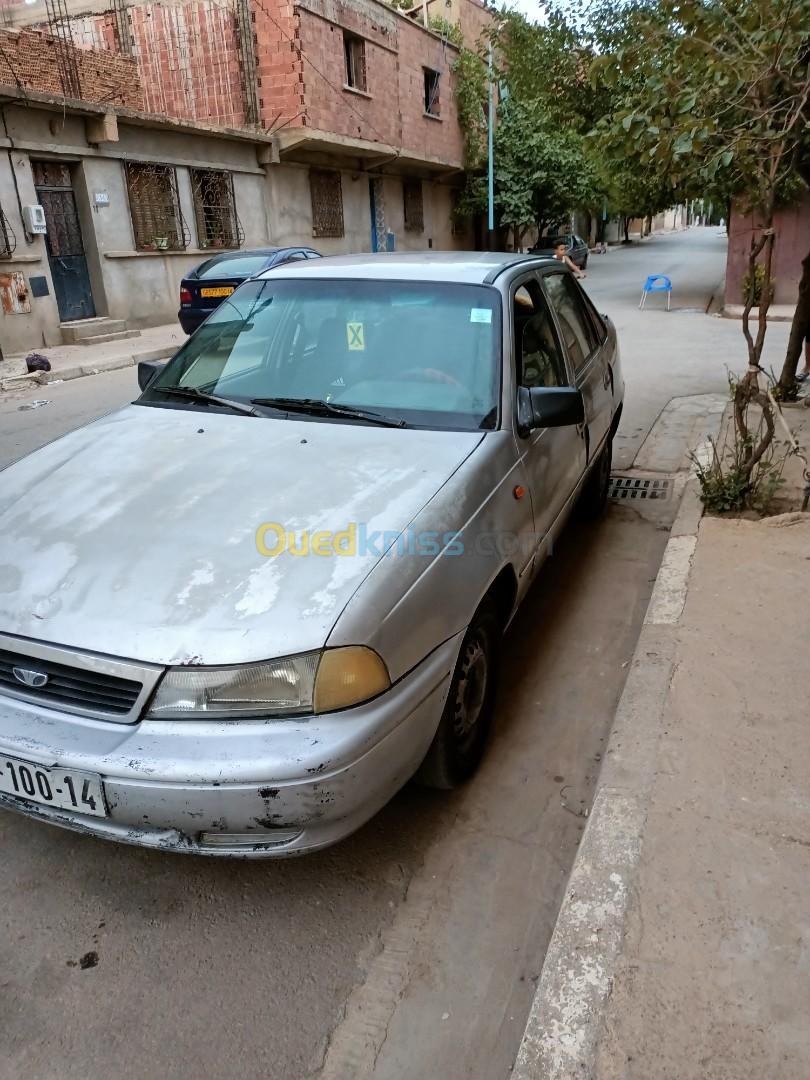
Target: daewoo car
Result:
[[240, 613]]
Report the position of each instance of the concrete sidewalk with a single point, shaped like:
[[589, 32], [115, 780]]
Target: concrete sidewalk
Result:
[[74, 361], [680, 951]]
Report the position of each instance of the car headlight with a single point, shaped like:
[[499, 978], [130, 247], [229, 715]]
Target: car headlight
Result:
[[315, 682]]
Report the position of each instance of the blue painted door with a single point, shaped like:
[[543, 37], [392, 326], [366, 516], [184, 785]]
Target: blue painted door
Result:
[[71, 280]]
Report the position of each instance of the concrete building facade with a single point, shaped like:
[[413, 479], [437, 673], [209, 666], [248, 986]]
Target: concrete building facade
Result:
[[199, 127]]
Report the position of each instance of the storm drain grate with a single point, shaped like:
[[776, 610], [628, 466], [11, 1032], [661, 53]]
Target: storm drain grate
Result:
[[639, 487]]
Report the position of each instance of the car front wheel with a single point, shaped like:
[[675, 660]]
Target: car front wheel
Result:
[[595, 493], [461, 738]]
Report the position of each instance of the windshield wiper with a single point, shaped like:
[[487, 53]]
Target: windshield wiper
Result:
[[318, 407], [193, 394]]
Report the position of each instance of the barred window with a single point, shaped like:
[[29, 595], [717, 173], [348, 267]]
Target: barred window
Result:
[[215, 209], [154, 206], [8, 241], [414, 209], [432, 91], [354, 49], [327, 202]]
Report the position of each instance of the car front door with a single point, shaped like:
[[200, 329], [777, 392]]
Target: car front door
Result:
[[587, 355], [553, 458]]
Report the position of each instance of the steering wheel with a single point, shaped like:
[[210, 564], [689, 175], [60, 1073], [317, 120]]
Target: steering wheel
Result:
[[429, 374]]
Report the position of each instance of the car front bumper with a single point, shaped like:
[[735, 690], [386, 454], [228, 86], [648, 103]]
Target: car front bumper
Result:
[[283, 787]]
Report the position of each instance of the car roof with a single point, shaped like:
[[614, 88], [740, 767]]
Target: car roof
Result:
[[462, 267]]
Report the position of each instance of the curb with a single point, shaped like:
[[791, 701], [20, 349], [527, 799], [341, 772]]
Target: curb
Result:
[[79, 371], [111, 364], [564, 1029]]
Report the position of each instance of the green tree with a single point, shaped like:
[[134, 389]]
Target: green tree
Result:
[[543, 168], [713, 94]]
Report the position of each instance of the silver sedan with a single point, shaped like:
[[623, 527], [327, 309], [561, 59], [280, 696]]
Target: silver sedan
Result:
[[237, 615]]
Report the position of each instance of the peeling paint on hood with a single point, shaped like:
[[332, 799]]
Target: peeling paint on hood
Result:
[[135, 536]]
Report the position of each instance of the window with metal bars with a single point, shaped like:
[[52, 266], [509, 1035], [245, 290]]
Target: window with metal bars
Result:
[[354, 49], [154, 205], [327, 202], [215, 209], [413, 205], [432, 78], [8, 241]]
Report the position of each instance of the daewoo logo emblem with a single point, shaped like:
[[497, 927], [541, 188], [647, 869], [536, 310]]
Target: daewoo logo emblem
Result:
[[36, 679]]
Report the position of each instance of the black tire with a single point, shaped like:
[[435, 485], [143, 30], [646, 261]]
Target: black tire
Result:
[[461, 739], [594, 497]]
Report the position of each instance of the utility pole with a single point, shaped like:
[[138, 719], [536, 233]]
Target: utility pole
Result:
[[490, 161]]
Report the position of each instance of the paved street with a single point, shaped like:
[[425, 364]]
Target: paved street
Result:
[[410, 951]]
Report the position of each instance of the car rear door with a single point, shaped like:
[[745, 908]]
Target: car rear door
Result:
[[587, 354], [554, 458]]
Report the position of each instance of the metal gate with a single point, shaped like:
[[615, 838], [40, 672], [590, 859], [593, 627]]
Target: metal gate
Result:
[[71, 281]]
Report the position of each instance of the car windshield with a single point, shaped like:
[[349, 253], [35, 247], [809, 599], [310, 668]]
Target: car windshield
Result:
[[239, 266], [426, 354]]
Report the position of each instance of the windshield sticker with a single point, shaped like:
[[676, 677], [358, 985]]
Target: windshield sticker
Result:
[[481, 314], [355, 336]]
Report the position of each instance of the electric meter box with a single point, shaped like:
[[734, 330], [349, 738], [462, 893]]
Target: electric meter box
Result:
[[34, 220]]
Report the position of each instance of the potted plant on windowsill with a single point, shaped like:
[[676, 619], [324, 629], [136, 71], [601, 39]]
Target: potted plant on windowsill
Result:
[[161, 243]]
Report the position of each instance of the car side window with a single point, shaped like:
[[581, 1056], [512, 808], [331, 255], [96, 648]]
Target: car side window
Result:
[[575, 323], [294, 256], [538, 358]]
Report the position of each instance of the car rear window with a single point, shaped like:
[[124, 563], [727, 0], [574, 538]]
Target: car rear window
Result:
[[239, 266]]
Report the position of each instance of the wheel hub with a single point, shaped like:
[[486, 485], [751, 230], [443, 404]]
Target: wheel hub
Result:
[[471, 691]]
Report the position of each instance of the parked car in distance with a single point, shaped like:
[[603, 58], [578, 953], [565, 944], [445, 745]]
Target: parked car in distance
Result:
[[238, 614], [207, 285], [576, 248]]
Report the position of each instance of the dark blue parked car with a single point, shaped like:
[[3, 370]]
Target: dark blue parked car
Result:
[[212, 281]]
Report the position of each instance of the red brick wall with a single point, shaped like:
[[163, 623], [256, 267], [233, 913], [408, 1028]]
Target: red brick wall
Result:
[[187, 57], [474, 19], [421, 135], [396, 51], [279, 67], [189, 61], [30, 56]]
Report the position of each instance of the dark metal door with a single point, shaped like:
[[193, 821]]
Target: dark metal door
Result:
[[71, 281]]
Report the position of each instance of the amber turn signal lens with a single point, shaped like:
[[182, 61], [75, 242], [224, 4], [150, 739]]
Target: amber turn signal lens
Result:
[[347, 677]]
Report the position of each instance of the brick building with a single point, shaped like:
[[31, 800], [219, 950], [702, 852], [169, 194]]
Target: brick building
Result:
[[329, 123]]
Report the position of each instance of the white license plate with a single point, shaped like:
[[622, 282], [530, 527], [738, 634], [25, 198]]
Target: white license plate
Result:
[[66, 789]]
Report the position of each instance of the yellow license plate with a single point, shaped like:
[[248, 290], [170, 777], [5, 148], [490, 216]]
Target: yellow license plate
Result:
[[221, 290]]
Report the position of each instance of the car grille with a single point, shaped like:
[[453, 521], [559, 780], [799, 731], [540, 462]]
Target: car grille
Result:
[[79, 689]]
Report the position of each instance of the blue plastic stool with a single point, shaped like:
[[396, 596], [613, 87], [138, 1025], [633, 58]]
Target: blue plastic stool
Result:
[[657, 283]]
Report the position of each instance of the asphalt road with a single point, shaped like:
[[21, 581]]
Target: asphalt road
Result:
[[412, 949]]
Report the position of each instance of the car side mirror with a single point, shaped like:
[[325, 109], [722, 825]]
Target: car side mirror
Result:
[[149, 370], [557, 406]]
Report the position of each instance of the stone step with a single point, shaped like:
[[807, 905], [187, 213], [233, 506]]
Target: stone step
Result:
[[100, 339], [73, 333]]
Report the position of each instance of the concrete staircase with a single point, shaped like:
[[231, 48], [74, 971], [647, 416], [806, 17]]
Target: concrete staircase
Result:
[[95, 331]]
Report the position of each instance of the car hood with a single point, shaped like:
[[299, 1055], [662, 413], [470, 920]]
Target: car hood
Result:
[[136, 535]]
